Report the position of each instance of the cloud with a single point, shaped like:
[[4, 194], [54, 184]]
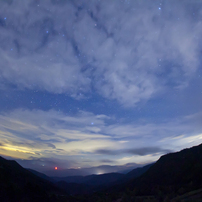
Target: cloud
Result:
[[134, 151], [107, 161], [148, 150], [50, 134], [152, 130], [128, 51]]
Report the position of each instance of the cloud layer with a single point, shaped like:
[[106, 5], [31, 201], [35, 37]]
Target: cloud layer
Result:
[[85, 139], [126, 51]]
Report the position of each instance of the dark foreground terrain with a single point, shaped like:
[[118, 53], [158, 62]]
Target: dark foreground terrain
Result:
[[19, 184], [174, 177]]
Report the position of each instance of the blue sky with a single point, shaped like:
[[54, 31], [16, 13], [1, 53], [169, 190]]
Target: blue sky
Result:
[[90, 83]]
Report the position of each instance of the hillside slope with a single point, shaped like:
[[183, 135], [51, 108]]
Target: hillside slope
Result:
[[19, 184], [174, 173]]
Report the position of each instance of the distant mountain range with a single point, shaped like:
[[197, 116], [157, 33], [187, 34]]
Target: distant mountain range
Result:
[[174, 177], [92, 170], [91, 183]]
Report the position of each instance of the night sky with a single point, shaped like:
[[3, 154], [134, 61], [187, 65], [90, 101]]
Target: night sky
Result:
[[85, 83]]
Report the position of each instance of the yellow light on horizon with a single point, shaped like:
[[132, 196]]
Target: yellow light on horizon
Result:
[[13, 148]]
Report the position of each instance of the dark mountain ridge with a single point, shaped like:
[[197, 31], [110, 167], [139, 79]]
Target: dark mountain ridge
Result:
[[172, 175], [137, 172], [41, 175], [95, 183], [92, 179], [19, 184]]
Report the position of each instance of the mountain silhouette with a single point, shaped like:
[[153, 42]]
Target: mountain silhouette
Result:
[[137, 172], [19, 184], [172, 175], [92, 179], [94, 183], [87, 184], [41, 175]]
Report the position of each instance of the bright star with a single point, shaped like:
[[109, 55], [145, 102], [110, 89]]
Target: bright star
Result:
[[159, 8]]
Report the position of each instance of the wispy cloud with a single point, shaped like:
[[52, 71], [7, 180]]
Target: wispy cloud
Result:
[[136, 151], [50, 134]]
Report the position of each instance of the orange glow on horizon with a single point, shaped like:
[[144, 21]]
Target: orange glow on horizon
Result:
[[56, 168]]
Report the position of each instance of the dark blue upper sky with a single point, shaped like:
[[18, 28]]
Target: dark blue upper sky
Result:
[[87, 83]]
